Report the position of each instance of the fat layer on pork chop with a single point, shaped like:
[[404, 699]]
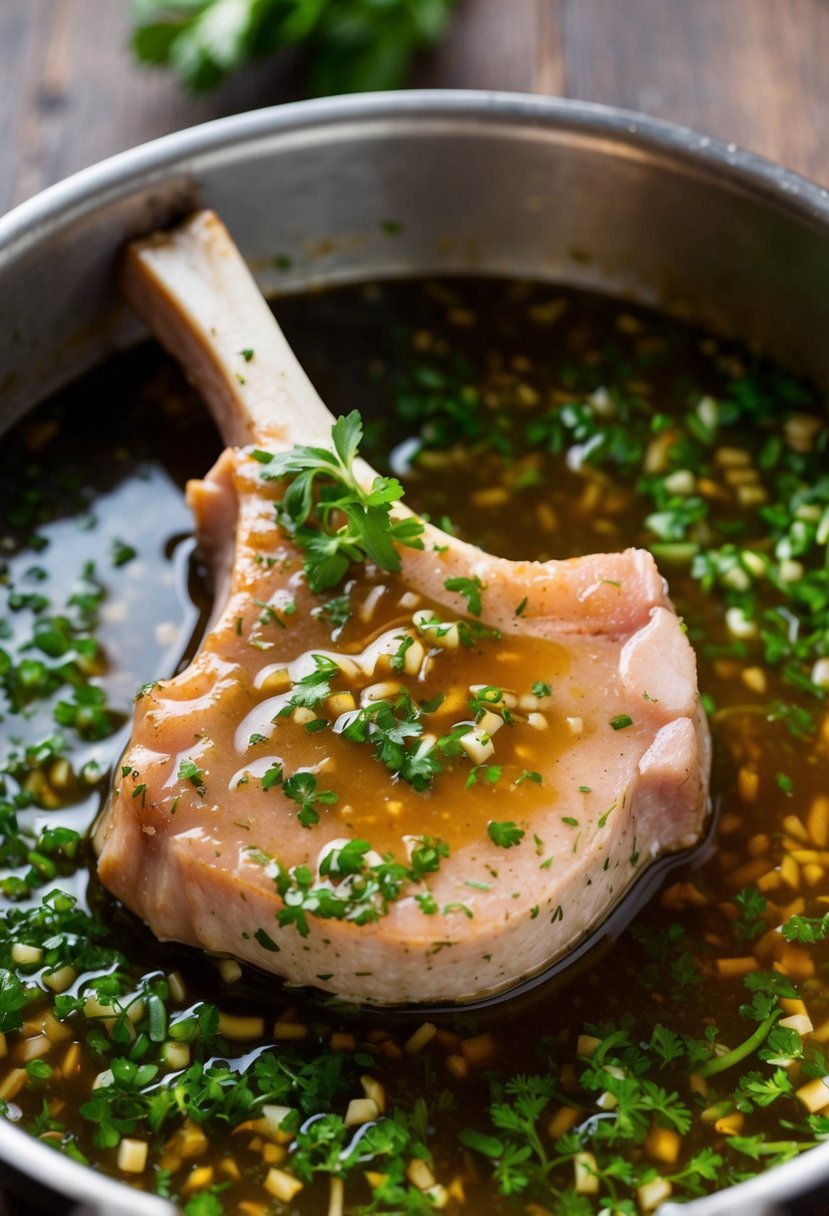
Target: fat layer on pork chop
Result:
[[392, 789]]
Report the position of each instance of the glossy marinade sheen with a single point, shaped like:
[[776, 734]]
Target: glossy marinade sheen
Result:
[[681, 967], [593, 803], [607, 613]]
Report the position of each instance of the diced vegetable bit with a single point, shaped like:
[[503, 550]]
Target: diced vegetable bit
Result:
[[640, 433], [132, 1156]]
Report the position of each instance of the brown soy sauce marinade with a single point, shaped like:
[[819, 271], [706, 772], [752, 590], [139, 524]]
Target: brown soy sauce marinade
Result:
[[663, 1069]]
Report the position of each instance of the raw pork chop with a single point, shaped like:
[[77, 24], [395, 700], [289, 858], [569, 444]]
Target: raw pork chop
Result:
[[282, 800]]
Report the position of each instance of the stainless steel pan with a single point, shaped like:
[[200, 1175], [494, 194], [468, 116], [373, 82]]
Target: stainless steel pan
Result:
[[485, 182]]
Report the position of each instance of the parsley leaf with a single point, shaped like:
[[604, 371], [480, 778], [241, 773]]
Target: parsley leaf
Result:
[[188, 770], [806, 929], [322, 489], [337, 610], [393, 729], [302, 789], [505, 835], [752, 906], [314, 688], [469, 589], [122, 552]]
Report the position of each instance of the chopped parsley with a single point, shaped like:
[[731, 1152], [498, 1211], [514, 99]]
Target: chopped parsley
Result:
[[122, 553], [489, 773], [398, 659], [470, 589], [393, 729], [312, 689], [301, 787], [272, 777], [322, 488], [188, 770], [506, 835], [337, 610], [352, 887], [529, 775], [469, 632], [806, 930]]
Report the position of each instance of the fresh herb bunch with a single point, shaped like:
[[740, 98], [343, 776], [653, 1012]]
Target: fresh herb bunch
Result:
[[352, 45]]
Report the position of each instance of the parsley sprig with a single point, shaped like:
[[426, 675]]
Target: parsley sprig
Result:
[[331, 517], [394, 728], [806, 929], [302, 788], [312, 689]]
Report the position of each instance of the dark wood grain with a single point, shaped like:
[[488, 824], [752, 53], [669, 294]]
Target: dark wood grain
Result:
[[755, 72], [70, 93], [499, 44]]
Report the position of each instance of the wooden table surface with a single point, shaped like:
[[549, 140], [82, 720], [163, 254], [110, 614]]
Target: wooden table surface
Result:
[[755, 72]]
